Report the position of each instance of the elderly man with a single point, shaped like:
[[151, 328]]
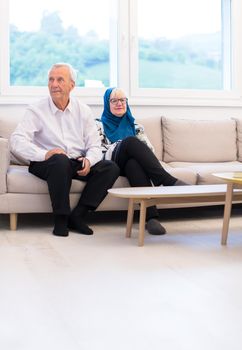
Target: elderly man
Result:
[[59, 139]]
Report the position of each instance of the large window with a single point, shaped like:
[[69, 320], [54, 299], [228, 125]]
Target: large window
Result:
[[44, 32], [182, 45], [159, 51]]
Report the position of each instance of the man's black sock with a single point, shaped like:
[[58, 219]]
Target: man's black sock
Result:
[[60, 226]]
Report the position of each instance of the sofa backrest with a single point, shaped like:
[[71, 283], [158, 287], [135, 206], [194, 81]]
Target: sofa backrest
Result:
[[187, 140], [7, 125], [152, 126]]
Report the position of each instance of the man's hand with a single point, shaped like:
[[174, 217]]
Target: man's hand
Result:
[[86, 167], [53, 151]]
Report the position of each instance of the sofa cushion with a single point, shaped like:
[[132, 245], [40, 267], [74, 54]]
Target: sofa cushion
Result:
[[182, 173], [189, 140], [8, 125], [239, 137], [205, 171], [152, 127], [19, 180], [4, 161]]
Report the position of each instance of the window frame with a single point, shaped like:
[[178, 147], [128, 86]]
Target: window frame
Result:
[[124, 67]]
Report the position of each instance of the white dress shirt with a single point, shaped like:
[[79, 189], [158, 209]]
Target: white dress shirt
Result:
[[45, 127]]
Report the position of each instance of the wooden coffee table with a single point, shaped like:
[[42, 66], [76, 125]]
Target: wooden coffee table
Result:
[[234, 182], [148, 196]]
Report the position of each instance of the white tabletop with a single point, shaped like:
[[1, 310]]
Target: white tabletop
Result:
[[168, 191]]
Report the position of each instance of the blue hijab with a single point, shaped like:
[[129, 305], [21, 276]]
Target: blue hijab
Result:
[[116, 128]]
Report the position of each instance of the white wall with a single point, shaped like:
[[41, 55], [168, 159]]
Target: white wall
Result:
[[140, 111]]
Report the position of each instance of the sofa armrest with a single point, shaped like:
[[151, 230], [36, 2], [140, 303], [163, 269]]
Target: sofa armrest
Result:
[[4, 163]]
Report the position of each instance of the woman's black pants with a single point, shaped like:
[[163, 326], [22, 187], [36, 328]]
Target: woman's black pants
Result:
[[59, 171], [141, 167]]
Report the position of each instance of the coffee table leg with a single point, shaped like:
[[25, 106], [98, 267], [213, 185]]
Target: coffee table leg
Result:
[[142, 217], [227, 213], [130, 218]]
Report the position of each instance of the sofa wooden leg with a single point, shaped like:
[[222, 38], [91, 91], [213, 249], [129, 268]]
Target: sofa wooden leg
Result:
[[13, 221]]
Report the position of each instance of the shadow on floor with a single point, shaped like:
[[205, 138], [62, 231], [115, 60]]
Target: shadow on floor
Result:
[[120, 216]]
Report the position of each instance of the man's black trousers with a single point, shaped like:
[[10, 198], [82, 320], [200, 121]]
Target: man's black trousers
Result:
[[59, 171]]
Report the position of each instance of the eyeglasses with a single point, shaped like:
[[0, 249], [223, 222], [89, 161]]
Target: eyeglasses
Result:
[[115, 101]]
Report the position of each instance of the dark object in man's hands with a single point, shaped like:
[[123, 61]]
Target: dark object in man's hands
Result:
[[80, 162]]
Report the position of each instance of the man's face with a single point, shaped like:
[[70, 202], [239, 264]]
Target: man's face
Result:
[[60, 84]]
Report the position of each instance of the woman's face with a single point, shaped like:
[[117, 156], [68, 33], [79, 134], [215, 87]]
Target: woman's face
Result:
[[118, 103]]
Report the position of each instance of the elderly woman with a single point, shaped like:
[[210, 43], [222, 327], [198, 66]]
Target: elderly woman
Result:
[[125, 142]]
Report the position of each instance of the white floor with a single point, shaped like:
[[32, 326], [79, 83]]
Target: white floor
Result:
[[182, 291]]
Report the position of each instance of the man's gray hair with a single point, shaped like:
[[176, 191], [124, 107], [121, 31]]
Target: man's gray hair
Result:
[[73, 72]]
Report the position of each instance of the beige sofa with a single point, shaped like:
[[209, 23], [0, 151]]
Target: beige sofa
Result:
[[189, 149]]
